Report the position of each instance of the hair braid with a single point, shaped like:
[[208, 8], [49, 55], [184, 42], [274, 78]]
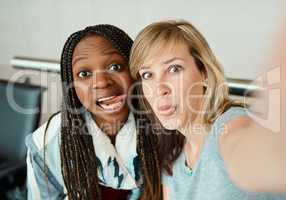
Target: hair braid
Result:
[[147, 150]]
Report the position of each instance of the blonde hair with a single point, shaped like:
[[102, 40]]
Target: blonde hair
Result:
[[161, 35]]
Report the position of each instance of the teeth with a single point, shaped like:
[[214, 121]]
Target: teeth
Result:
[[113, 106], [112, 103], [105, 99]]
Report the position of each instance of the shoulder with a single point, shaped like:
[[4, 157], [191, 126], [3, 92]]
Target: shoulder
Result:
[[36, 139], [227, 126], [44, 150], [230, 122], [230, 140], [231, 116]]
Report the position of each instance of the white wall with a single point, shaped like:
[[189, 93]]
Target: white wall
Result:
[[239, 31]]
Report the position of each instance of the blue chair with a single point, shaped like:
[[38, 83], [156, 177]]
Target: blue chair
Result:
[[20, 109]]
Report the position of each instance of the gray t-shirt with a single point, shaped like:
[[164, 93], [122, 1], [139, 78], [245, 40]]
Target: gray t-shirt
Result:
[[208, 180]]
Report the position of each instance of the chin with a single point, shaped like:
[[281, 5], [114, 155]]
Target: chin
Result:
[[172, 124]]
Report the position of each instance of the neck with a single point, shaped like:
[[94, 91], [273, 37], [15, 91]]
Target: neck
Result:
[[195, 132]]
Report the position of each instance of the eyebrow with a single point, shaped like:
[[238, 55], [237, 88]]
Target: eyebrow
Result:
[[172, 59], [78, 58], [82, 57], [110, 51], [144, 67], [165, 62]]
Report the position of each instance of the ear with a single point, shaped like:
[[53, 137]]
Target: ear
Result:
[[205, 80], [204, 76]]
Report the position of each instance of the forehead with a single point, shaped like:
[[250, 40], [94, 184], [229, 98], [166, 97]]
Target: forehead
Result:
[[93, 43], [161, 52], [93, 47]]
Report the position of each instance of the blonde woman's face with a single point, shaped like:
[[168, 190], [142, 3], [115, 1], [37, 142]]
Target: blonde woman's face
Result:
[[173, 86]]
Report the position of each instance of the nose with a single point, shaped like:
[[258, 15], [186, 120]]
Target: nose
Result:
[[163, 89], [101, 80]]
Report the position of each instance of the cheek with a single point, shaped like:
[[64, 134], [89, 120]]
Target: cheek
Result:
[[129, 82], [194, 96], [178, 88], [124, 80], [83, 94], [149, 93]]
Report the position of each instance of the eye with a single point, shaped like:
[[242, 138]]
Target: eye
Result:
[[175, 68], [84, 74], [115, 67], [146, 75]]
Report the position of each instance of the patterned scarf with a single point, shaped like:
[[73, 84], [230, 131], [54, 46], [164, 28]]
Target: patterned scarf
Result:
[[118, 165]]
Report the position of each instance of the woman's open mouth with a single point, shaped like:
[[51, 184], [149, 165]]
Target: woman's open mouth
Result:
[[112, 103]]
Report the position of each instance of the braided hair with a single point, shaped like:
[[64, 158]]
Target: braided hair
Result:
[[78, 160]]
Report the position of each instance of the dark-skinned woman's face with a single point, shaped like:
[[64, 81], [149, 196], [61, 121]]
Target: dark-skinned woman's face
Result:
[[101, 78]]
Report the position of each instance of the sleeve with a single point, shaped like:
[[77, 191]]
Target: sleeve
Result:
[[40, 184], [32, 186]]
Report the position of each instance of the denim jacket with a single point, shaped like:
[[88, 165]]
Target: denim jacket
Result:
[[47, 182]]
